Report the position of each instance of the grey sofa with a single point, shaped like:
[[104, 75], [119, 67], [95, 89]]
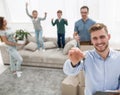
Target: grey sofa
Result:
[[50, 58]]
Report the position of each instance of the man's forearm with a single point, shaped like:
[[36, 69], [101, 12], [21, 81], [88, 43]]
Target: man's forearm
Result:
[[70, 69]]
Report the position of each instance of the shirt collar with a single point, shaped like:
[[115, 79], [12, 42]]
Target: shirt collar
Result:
[[86, 20], [97, 55], [35, 19]]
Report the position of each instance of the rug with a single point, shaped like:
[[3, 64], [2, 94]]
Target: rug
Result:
[[34, 81]]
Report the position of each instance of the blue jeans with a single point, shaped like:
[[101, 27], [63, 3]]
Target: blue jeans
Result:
[[61, 40], [15, 59], [39, 40]]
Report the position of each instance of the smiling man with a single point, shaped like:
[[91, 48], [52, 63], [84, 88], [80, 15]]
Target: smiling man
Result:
[[82, 27], [101, 65]]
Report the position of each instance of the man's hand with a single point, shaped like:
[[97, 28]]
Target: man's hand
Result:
[[75, 55], [76, 36]]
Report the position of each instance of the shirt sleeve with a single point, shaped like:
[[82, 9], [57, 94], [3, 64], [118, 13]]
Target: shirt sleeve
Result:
[[53, 23], [75, 28], [43, 18], [69, 70], [65, 22], [28, 13]]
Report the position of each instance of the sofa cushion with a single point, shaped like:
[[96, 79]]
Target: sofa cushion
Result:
[[69, 45], [49, 45], [31, 46], [32, 39], [55, 57]]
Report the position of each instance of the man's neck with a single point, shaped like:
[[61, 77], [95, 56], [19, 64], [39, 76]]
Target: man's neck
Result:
[[104, 54], [84, 19], [59, 18]]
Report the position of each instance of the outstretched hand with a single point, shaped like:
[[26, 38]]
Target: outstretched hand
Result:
[[75, 55]]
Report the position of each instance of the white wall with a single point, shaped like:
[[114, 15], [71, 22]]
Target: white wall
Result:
[[71, 11], [105, 11], [2, 12]]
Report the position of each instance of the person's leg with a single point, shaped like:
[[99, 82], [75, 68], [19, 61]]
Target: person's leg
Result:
[[41, 39], [37, 39], [15, 61], [12, 64], [12, 61], [63, 40], [58, 40]]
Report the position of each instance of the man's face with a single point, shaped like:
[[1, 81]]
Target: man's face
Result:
[[59, 15], [100, 40], [34, 14], [84, 13]]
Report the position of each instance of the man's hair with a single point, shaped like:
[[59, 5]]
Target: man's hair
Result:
[[34, 11], [98, 26], [83, 7], [59, 11]]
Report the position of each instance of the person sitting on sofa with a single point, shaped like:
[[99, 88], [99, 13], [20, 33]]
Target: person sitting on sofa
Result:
[[101, 65], [8, 37], [82, 26]]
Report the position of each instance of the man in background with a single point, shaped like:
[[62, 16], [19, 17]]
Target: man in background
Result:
[[82, 26]]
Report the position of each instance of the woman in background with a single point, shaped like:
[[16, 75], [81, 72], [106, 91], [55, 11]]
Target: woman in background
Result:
[[7, 36]]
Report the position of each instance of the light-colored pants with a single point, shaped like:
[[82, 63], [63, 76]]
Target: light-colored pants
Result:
[[15, 59], [39, 40]]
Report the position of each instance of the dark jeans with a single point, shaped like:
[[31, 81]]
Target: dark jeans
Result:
[[61, 40]]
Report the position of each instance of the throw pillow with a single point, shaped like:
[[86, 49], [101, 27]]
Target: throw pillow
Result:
[[68, 46], [31, 46], [31, 39], [49, 45]]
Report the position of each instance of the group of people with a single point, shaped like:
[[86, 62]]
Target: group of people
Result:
[[60, 22], [101, 65]]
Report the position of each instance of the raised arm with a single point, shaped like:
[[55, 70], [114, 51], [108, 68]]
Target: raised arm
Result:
[[65, 21], [44, 16], [27, 11], [53, 23], [74, 64]]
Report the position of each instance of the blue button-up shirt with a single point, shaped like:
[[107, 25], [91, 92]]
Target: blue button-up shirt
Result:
[[82, 28], [100, 74]]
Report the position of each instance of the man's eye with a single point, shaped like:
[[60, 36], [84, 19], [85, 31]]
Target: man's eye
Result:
[[102, 37], [94, 38]]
